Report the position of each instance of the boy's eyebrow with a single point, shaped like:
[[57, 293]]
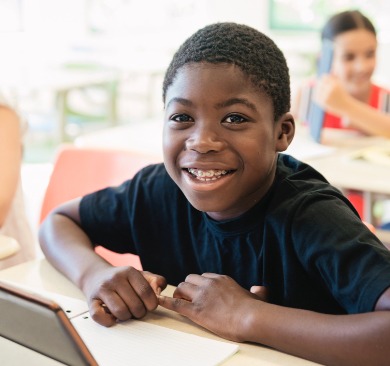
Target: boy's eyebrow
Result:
[[226, 103], [232, 101], [182, 101]]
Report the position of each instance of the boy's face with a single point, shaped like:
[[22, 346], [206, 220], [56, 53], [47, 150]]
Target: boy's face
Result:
[[220, 140]]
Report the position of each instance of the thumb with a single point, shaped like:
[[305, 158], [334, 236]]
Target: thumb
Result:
[[260, 291], [156, 282]]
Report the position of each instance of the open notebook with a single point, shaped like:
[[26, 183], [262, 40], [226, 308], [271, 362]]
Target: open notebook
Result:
[[67, 334]]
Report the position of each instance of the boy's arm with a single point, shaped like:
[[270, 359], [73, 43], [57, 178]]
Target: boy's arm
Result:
[[112, 292], [219, 304], [67, 246]]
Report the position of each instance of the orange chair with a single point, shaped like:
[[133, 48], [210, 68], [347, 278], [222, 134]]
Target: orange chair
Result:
[[78, 171]]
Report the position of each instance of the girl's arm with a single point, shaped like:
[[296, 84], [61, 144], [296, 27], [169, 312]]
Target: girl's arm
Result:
[[332, 97], [10, 159]]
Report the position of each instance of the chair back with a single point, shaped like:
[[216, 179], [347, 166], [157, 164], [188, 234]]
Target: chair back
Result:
[[79, 171]]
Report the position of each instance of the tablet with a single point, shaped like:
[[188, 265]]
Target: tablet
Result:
[[316, 113], [42, 326]]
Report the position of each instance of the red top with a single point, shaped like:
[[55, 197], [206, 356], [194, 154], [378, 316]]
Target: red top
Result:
[[332, 121]]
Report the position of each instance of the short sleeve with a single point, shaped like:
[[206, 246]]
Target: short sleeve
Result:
[[341, 252], [104, 217]]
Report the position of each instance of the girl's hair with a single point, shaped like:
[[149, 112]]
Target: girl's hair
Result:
[[346, 21], [253, 52]]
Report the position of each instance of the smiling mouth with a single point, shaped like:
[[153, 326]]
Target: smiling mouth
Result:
[[207, 175]]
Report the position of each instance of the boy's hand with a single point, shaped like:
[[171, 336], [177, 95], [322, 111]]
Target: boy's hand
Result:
[[121, 293], [215, 302], [261, 292]]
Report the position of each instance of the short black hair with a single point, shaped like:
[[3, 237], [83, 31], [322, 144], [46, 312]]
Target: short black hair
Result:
[[344, 22], [252, 51]]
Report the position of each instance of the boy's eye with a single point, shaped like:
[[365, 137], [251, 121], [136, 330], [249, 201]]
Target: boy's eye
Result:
[[235, 119], [181, 118]]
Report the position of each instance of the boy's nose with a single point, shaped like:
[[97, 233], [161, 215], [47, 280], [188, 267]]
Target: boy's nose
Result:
[[204, 139]]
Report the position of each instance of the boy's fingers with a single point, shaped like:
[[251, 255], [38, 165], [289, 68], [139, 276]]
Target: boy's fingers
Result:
[[139, 294], [100, 313], [180, 306], [156, 282], [260, 291], [116, 305], [137, 302]]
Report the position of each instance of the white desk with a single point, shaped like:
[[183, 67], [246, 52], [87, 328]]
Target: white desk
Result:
[[346, 172], [343, 170], [40, 274]]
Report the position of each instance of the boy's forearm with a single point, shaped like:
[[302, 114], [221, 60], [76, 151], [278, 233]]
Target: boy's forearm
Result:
[[359, 339], [69, 249]]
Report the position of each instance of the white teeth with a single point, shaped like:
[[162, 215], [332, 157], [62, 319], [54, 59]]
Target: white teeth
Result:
[[207, 175]]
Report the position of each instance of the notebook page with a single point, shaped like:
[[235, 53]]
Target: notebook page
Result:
[[139, 343]]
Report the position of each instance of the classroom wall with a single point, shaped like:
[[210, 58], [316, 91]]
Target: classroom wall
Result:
[[139, 34]]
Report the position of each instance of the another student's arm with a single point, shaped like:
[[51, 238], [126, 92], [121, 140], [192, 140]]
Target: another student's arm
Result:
[[10, 159], [112, 292], [332, 96], [219, 304]]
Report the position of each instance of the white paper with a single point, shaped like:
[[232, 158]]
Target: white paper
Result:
[[139, 343]]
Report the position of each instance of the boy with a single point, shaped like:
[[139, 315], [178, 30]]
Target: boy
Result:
[[268, 251]]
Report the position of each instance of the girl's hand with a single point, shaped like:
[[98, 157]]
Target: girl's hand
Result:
[[215, 302], [331, 95], [121, 293]]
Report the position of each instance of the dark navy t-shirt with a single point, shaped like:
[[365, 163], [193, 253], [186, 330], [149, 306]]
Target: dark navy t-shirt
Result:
[[303, 240]]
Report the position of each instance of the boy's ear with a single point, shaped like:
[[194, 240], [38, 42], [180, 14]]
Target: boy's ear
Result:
[[285, 130]]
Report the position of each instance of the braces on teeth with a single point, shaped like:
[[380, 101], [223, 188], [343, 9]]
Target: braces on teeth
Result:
[[207, 174]]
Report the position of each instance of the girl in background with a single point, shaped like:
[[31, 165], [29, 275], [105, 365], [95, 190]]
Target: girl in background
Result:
[[347, 95]]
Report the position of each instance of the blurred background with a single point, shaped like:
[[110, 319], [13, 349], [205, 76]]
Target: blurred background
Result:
[[76, 67]]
